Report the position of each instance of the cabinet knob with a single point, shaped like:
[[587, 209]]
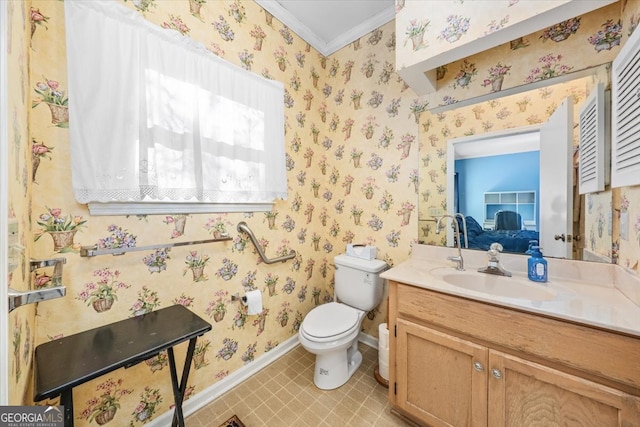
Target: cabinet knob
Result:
[[496, 373], [478, 366]]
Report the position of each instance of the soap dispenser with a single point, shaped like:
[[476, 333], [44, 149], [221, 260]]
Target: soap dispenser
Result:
[[537, 270], [532, 243]]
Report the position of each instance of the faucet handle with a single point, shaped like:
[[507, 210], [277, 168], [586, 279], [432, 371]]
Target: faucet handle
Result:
[[496, 246], [493, 253]]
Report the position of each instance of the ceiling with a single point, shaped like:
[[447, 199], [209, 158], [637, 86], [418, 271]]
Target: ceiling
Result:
[[329, 25]]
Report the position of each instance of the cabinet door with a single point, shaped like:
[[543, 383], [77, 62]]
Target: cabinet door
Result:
[[441, 379], [523, 393]]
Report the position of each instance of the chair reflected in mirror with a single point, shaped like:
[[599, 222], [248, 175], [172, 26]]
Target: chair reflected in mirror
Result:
[[508, 220]]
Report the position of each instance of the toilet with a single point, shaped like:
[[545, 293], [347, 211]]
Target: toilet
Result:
[[330, 331]]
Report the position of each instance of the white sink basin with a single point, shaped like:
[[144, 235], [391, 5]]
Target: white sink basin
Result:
[[500, 286]]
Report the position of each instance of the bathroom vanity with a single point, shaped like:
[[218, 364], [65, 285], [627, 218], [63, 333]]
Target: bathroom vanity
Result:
[[467, 350]]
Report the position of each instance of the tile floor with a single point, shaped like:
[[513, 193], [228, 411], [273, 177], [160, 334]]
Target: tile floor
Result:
[[283, 394]]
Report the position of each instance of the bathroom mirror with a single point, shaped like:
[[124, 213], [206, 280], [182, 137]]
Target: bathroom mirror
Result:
[[496, 165]]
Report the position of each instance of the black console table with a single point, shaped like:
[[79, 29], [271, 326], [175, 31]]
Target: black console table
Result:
[[67, 362]]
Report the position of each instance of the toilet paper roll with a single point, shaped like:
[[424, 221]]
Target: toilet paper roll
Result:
[[253, 302], [383, 351], [383, 337], [383, 369]]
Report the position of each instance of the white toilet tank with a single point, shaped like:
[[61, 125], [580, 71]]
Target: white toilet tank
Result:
[[358, 282]]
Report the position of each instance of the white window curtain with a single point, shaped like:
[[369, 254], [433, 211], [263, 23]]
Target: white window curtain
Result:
[[155, 117]]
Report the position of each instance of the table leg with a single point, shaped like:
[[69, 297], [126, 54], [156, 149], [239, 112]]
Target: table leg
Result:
[[180, 388], [66, 400]]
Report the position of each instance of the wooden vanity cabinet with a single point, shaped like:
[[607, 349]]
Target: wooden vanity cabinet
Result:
[[524, 393], [458, 362], [435, 381]]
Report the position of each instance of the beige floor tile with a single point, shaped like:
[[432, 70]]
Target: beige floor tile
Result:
[[334, 419], [359, 395], [281, 378], [319, 409], [215, 419], [250, 420], [262, 393], [264, 412], [311, 418], [243, 407], [283, 395], [288, 415], [366, 415], [344, 410]]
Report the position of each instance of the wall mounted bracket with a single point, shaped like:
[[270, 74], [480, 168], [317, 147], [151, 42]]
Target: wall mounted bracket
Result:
[[17, 299], [20, 298]]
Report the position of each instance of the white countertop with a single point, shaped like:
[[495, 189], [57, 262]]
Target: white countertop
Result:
[[601, 295]]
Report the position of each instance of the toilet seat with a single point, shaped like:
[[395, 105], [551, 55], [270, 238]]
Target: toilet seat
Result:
[[329, 322]]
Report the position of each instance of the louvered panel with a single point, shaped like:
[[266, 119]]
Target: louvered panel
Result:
[[625, 134], [629, 132], [593, 149], [630, 157], [628, 115]]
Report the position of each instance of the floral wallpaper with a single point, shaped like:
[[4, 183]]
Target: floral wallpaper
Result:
[[352, 164], [598, 232], [22, 322], [362, 152], [611, 219], [428, 29], [569, 46], [626, 227]]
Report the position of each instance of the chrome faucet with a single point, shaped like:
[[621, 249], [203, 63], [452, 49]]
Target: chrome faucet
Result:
[[458, 259], [464, 228], [494, 266]]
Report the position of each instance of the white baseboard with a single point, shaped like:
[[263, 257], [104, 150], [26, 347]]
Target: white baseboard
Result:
[[202, 399], [368, 340]]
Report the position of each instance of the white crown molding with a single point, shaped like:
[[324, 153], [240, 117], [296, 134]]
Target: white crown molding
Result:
[[288, 19], [322, 46], [360, 30]]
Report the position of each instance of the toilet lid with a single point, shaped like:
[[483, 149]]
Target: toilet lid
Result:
[[330, 319]]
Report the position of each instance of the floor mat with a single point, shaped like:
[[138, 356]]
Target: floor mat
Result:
[[233, 422]]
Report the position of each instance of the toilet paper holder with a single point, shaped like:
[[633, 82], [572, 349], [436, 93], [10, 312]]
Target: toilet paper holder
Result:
[[237, 297]]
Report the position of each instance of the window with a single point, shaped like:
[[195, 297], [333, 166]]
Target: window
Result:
[[158, 121]]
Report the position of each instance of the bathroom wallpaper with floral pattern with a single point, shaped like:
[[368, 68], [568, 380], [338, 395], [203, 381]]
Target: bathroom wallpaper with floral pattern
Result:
[[569, 46], [22, 321], [352, 161], [612, 217], [352, 142], [428, 29]]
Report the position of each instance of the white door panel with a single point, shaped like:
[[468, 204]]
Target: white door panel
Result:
[[556, 183]]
